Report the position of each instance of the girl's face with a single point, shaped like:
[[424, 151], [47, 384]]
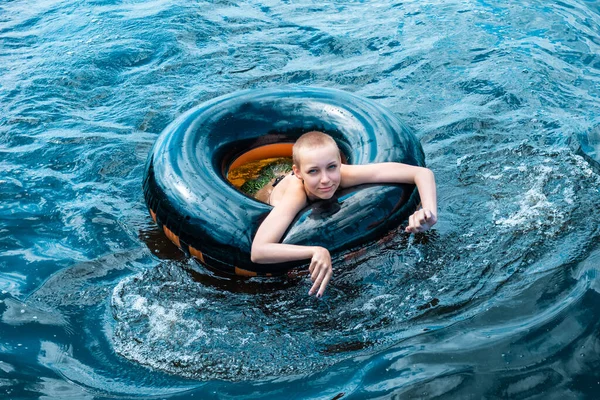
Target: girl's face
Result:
[[320, 171]]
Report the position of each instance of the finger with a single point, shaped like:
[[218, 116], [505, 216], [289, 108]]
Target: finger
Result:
[[318, 280], [315, 273], [312, 265], [422, 218], [409, 228], [416, 222], [313, 288], [428, 215], [325, 271], [324, 283], [316, 269]]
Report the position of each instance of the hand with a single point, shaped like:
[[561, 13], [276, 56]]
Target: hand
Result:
[[421, 221], [320, 270]]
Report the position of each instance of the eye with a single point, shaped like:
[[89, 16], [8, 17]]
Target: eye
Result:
[[332, 166], [312, 171]]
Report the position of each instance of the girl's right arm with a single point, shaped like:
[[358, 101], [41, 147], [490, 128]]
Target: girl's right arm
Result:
[[266, 248]]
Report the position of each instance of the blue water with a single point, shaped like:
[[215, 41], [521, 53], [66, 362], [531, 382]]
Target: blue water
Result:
[[499, 301]]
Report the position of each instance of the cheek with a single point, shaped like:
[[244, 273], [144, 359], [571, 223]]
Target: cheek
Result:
[[313, 181]]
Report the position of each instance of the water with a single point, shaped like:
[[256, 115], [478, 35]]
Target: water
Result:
[[500, 300]]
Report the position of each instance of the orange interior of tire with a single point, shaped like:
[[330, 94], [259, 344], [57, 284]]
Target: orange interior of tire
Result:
[[263, 152]]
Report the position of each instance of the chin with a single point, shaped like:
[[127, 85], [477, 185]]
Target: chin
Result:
[[327, 196]]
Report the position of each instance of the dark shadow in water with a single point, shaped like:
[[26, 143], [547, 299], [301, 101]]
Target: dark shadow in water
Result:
[[164, 249]]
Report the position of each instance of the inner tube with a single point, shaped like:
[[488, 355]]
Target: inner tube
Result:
[[189, 197]]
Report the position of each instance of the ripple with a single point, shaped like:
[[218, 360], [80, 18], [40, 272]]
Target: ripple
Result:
[[171, 323], [589, 143], [499, 301], [188, 326]]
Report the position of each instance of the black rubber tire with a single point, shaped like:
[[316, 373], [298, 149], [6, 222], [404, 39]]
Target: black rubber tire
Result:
[[189, 197]]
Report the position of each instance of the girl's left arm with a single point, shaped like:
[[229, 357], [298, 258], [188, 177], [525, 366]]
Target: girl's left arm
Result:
[[391, 172]]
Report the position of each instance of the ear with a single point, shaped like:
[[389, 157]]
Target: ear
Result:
[[296, 171]]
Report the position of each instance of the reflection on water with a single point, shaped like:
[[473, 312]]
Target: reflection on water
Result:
[[499, 301]]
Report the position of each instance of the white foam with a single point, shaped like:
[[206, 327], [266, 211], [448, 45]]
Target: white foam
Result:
[[460, 160], [569, 195], [535, 210], [494, 177]]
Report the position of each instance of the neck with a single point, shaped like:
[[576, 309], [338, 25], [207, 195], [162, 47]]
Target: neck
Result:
[[310, 196]]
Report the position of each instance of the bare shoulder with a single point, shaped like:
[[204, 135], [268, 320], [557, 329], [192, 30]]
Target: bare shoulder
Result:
[[285, 208], [290, 193]]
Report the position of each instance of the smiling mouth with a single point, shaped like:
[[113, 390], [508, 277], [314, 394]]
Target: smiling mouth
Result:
[[327, 189]]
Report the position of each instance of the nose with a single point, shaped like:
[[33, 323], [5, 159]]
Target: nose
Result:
[[325, 178]]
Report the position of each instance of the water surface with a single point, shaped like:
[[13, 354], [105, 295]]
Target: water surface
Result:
[[500, 300]]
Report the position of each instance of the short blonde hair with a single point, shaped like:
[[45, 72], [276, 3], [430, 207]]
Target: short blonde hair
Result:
[[310, 140]]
